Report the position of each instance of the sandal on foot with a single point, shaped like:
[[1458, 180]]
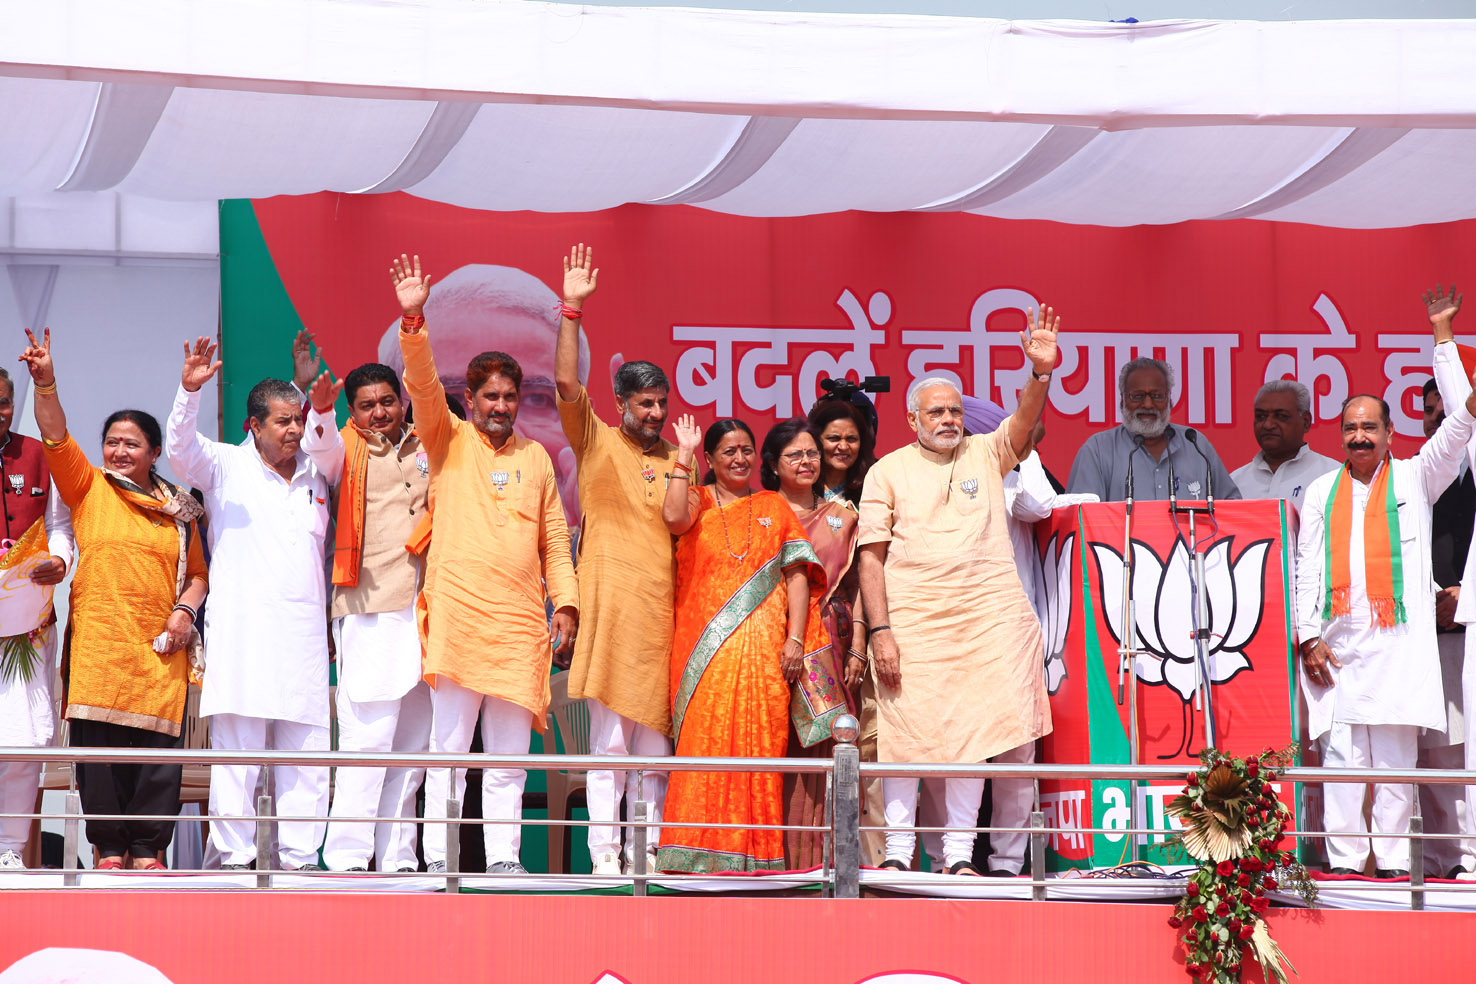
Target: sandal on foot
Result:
[[109, 864], [963, 868], [894, 865]]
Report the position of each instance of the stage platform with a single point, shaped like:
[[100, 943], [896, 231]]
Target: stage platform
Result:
[[341, 929]]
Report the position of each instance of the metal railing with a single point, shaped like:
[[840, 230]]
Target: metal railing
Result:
[[840, 872]]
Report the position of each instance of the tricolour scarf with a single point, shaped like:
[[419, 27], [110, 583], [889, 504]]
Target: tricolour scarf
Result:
[[1383, 566]]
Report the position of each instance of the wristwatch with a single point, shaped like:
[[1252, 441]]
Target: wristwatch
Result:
[[1044, 377]]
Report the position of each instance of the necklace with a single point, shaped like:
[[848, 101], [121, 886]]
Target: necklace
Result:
[[722, 516]]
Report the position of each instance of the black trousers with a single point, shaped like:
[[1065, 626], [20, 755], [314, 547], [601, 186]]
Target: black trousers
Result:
[[122, 789]]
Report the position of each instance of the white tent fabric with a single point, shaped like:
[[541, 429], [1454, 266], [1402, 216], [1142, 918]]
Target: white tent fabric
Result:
[[561, 108]]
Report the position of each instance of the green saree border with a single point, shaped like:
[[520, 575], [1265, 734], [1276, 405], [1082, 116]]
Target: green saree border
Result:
[[701, 861], [743, 603]]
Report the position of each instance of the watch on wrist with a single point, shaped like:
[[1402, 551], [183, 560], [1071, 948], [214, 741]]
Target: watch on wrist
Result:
[[1044, 377]]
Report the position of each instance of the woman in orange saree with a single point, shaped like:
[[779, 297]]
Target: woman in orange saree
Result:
[[747, 586]]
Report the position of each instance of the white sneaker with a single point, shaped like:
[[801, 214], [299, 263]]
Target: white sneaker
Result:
[[11, 861], [607, 864]]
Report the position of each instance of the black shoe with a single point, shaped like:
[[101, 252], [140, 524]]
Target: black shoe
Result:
[[1001, 873], [1343, 871], [357, 867], [308, 867], [407, 871], [895, 865], [1457, 872], [1396, 873]]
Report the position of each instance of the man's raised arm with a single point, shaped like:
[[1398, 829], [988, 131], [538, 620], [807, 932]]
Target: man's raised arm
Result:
[[1039, 339], [580, 276], [194, 458], [427, 395]]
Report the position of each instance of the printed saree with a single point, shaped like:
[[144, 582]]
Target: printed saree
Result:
[[729, 697]]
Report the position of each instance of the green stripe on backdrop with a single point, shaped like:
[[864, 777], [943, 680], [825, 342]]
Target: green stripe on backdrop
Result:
[[1108, 740], [257, 325]]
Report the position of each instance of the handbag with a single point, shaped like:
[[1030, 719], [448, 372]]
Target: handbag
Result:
[[820, 696]]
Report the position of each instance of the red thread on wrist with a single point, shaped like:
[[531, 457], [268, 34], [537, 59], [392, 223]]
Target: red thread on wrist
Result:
[[572, 313], [412, 322]]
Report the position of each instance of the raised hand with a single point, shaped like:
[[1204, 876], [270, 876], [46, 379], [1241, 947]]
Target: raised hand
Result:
[[1039, 339], [688, 434], [304, 363], [1441, 306], [198, 367], [324, 391], [411, 288], [37, 358], [579, 275]]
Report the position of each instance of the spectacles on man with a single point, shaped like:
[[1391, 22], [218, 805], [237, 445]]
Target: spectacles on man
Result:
[[795, 457], [936, 413], [1143, 396]]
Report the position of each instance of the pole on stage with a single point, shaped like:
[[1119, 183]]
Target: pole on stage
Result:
[[1127, 659], [1204, 688]]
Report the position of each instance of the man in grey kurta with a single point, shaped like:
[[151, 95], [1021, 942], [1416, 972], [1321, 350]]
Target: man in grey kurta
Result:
[[1145, 388]]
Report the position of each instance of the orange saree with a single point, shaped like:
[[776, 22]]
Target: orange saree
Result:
[[729, 698]]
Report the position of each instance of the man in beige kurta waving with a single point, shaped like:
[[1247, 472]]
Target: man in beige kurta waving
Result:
[[955, 646], [625, 571]]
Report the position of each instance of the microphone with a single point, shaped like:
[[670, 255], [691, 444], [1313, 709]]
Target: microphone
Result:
[[1168, 432], [1128, 485], [1209, 488]]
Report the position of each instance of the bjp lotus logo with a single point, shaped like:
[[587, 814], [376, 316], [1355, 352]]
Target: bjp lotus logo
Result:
[[1164, 615], [1055, 606]]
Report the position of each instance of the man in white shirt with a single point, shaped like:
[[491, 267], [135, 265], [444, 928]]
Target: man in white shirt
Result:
[[1286, 464], [266, 681], [1366, 618]]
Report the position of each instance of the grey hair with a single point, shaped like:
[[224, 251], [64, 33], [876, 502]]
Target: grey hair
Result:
[[632, 377], [914, 400], [1142, 362], [5, 378], [1304, 399], [259, 400]]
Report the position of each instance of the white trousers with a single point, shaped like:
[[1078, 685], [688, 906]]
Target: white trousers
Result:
[[299, 791], [18, 784], [1011, 800], [401, 725], [1369, 746], [1444, 810], [613, 734], [1468, 699], [505, 730], [961, 798]]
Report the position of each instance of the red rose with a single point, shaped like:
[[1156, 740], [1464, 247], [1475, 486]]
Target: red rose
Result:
[[1250, 864], [1265, 844], [1252, 768], [1268, 883], [1245, 897], [1246, 932], [1259, 906], [1200, 916], [1243, 880], [1192, 888], [1193, 779], [1175, 922], [1191, 941], [1270, 776], [1235, 924], [1225, 869], [1223, 909], [1286, 859]]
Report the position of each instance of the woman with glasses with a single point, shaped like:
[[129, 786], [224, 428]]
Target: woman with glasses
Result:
[[747, 586], [792, 463]]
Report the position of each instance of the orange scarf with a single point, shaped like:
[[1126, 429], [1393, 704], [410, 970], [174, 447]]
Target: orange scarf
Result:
[[1383, 565]]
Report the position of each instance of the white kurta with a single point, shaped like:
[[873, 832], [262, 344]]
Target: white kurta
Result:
[[1256, 480], [266, 641], [1388, 676]]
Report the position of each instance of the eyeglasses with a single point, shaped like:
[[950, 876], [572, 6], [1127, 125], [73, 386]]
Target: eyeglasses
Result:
[[795, 457], [1143, 396], [936, 413]]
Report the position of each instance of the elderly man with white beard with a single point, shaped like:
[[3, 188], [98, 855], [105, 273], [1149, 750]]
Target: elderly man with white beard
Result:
[[954, 642], [1145, 392]]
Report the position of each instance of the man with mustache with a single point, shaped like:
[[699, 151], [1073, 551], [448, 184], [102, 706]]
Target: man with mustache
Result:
[[267, 681], [623, 653], [383, 704], [499, 549], [955, 645], [1365, 606], [1145, 392], [1286, 463]]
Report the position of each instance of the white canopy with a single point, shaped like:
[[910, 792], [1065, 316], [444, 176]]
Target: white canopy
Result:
[[560, 108]]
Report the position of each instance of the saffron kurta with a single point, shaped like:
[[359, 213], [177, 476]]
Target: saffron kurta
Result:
[[122, 596], [500, 538], [972, 685], [623, 651]]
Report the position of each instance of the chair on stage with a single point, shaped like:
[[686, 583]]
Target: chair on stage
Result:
[[568, 720]]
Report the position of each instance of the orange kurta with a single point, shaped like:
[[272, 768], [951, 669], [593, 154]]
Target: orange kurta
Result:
[[625, 569], [122, 595], [729, 696], [500, 536]]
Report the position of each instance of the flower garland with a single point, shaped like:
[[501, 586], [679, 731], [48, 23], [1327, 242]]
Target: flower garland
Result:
[[1233, 823]]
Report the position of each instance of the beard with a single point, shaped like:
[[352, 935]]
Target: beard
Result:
[[1147, 429], [633, 426], [498, 429], [935, 441]]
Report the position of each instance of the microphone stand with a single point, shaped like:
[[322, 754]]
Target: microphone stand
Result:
[[1127, 663], [1203, 691]]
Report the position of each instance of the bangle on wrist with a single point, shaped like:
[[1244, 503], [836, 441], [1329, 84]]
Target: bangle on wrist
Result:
[[798, 642], [566, 310], [46, 389], [182, 607], [878, 628], [679, 478]]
